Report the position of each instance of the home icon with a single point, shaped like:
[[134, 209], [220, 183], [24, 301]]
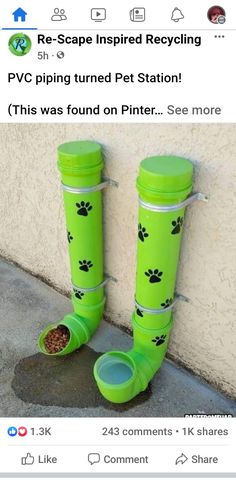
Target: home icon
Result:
[[19, 14]]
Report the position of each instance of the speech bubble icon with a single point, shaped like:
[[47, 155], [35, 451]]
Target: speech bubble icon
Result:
[[94, 458]]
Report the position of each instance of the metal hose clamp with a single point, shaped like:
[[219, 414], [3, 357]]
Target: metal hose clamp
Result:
[[158, 311], [95, 188], [172, 208], [94, 289]]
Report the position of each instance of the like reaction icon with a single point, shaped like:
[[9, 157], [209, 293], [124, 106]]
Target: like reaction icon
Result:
[[12, 431]]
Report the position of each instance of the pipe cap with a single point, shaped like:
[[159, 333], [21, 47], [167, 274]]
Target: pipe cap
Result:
[[79, 157], [165, 175]]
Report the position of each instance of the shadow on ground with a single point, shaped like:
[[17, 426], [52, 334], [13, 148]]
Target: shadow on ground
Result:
[[64, 382]]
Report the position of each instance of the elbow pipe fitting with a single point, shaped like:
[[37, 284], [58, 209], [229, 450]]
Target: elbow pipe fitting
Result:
[[80, 164], [163, 182], [123, 375], [81, 328]]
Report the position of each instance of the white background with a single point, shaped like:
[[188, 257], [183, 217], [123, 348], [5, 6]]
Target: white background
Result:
[[207, 71], [73, 439], [208, 80]]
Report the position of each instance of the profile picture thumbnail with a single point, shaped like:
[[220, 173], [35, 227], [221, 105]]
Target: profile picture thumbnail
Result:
[[19, 44], [216, 14]]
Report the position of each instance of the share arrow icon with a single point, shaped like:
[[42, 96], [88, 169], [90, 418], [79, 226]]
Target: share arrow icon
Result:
[[181, 459]]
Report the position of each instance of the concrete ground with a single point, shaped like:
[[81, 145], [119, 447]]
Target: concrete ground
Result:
[[32, 384]]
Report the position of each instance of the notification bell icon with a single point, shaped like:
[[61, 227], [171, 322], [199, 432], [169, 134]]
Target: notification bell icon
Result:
[[177, 15]]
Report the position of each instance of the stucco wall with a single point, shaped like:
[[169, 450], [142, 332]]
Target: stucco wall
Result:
[[33, 228]]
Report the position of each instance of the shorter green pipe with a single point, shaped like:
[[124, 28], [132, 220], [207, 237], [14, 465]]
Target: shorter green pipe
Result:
[[80, 164], [162, 182]]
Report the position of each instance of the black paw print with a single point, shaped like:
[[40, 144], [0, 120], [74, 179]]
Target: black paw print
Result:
[[139, 312], [142, 234], [79, 294], [69, 237], [177, 224], [167, 303], [154, 275], [159, 340], [85, 265], [84, 208]]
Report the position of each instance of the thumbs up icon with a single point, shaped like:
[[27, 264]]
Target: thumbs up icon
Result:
[[28, 460]]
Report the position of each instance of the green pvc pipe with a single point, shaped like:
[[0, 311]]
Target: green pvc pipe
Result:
[[80, 164], [162, 181]]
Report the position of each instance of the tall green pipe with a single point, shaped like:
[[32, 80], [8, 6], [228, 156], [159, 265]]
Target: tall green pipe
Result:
[[80, 164], [163, 183]]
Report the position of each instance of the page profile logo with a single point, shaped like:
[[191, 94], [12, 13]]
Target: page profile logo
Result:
[[19, 44]]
